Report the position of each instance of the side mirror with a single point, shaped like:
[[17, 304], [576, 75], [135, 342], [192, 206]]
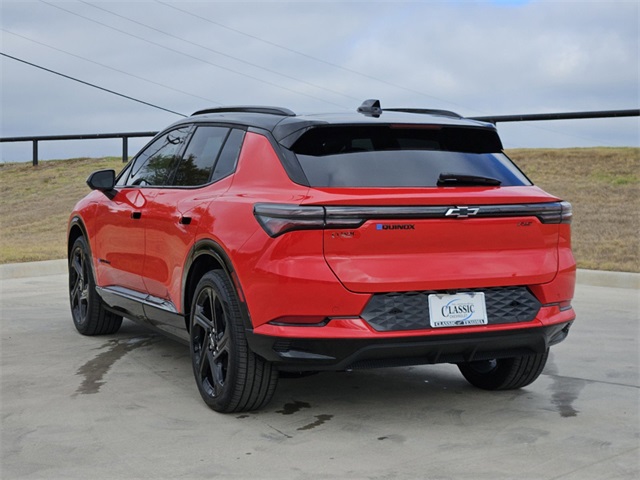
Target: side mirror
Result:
[[103, 180]]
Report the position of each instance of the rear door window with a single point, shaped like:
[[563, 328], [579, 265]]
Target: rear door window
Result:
[[201, 155], [211, 155]]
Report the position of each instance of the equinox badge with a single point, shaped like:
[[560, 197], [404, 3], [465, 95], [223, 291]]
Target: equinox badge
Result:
[[461, 212]]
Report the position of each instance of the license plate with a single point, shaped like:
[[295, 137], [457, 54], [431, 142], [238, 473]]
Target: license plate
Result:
[[459, 310]]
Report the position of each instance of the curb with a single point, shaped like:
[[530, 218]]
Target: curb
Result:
[[601, 278], [596, 278], [33, 269]]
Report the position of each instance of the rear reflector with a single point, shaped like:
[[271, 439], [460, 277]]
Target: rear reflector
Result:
[[300, 321]]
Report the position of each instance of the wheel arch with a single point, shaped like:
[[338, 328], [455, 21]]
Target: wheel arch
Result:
[[207, 255], [76, 230]]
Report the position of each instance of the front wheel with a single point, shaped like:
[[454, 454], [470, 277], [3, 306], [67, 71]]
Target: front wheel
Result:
[[87, 308], [229, 376], [504, 373]]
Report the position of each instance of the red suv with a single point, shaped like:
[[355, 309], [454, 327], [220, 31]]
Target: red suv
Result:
[[270, 242]]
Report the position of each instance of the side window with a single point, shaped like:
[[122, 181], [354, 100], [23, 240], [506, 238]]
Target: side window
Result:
[[229, 156], [200, 156], [154, 164], [123, 176]]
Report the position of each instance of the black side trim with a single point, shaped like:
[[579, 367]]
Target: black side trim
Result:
[[143, 298], [146, 310]]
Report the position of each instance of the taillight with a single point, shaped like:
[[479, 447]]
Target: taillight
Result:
[[567, 212], [277, 219], [558, 212]]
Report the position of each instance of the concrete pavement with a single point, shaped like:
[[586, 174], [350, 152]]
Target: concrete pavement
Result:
[[126, 406]]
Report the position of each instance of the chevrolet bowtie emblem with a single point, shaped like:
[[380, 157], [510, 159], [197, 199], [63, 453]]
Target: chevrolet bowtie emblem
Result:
[[461, 212]]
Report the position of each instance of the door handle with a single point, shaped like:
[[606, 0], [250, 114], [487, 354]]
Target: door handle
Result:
[[136, 215], [185, 220]]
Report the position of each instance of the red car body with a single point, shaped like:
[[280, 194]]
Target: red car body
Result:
[[306, 261]]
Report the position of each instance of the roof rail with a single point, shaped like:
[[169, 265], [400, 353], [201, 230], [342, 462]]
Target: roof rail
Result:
[[248, 109], [425, 111]]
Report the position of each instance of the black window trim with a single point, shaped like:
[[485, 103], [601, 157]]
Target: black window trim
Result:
[[224, 144], [192, 128], [180, 152], [215, 162], [195, 126]]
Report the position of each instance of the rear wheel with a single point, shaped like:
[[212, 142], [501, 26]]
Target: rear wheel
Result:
[[504, 373], [87, 308], [230, 377]]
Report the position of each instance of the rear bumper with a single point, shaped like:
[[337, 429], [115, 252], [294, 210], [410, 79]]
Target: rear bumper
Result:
[[317, 354]]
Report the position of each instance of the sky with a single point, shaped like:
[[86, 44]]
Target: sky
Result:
[[491, 57]]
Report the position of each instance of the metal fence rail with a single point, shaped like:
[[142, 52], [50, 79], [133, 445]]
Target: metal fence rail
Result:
[[559, 116], [125, 136]]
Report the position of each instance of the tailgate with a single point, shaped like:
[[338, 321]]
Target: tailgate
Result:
[[406, 248]]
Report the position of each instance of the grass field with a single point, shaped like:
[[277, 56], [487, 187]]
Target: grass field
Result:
[[603, 184]]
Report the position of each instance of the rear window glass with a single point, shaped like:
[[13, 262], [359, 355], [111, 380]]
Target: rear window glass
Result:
[[402, 156]]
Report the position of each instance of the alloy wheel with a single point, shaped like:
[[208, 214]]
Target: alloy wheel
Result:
[[79, 286], [211, 342]]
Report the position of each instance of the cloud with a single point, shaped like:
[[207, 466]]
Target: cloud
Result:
[[473, 57]]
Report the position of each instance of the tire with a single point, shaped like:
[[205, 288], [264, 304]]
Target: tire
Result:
[[229, 376], [87, 308], [504, 373]]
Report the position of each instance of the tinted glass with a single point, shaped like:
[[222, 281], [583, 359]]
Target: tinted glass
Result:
[[229, 156], [155, 164], [399, 156], [200, 156], [123, 175]]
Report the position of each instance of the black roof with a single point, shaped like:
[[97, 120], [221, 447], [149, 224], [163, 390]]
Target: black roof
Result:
[[287, 127]]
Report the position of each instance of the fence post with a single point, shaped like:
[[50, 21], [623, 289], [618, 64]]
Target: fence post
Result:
[[35, 153], [125, 149]]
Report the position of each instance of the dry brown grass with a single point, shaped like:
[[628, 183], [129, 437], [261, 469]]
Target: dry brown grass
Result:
[[603, 184], [36, 202]]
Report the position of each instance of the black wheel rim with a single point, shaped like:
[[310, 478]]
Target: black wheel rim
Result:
[[210, 342], [79, 286]]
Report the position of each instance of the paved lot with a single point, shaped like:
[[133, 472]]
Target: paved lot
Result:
[[126, 406]]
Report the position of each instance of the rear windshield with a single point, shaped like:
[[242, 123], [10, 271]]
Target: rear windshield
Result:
[[402, 156]]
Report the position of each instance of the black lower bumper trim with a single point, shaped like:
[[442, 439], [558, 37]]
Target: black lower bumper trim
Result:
[[303, 354]]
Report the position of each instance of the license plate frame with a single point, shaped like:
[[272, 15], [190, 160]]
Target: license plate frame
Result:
[[462, 309]]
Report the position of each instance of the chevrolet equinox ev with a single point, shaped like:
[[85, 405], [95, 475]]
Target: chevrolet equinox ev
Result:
[[273, 242]]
